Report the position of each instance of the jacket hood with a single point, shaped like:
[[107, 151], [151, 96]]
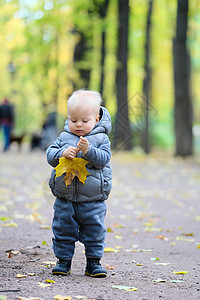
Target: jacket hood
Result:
[[103, 126]]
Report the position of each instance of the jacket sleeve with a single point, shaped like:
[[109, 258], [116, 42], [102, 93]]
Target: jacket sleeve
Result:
[[99, 157], [54, 152]]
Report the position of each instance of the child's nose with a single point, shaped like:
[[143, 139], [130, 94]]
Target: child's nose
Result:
[[78, 124]]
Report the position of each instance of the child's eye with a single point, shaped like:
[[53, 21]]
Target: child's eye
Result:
[[73, 121], [85, 121]]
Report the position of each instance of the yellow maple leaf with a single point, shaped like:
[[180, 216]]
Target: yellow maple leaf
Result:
[[72, 167]]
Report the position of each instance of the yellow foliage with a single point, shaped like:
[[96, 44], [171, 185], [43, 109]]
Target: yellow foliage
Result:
[[72, 167]]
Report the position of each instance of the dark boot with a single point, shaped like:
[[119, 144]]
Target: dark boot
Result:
[[63, 267], [94, 268]]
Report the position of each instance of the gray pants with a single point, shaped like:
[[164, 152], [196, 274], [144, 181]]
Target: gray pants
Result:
[[82, 222]]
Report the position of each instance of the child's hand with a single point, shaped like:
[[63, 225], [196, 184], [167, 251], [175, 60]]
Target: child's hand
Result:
[[70, 152], [83, 145]]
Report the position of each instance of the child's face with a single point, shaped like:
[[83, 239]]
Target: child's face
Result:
[[82, 119]]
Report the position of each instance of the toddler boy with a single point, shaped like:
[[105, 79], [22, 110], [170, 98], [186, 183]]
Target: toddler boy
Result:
[[80, 209]]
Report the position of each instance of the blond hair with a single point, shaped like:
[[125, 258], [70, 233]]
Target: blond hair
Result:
[[81, 97]]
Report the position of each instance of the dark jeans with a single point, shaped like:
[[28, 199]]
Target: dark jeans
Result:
[[82, 222], [6, 133]]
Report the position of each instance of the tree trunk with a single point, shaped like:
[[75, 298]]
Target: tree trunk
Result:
[[147, 82], [103, 54], [80, 51], [103, 12], [183, 103], [122, 139]]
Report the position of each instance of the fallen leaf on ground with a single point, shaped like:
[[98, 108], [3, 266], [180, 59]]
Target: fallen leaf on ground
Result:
[[31, 274], [108, 267], [37, 217], [72, 167], [60, 297], [162, 237], [29, 298], [188, 234], [43, 285], [153, 229], [154, 258], [176, 281], [49, 281], [125, 288], [5, 219], [15, 252], [110, 249], [197, 218], [159, 280], [109, 229], [11, 224], [118, 237], [43, 226], [180, 238], [148, 224], [21, 276], [116, 225], [180, 272], [44, 243]]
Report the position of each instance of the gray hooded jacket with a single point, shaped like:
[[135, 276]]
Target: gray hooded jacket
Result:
[[98, 184]]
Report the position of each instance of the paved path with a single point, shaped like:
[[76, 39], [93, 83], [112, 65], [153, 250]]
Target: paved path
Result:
[[153, 224]]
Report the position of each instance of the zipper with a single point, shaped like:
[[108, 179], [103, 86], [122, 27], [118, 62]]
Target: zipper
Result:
[[76, 189]]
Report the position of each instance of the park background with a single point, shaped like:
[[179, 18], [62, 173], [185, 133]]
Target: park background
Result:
[[142, 56]]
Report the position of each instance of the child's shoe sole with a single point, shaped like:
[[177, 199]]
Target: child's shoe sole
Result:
[[98, 275], [60, 273]]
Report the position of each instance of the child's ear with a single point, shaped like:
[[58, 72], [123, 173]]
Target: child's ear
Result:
[[97, 119]]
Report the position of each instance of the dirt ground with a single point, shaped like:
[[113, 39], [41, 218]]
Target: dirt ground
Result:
[[153, 239]]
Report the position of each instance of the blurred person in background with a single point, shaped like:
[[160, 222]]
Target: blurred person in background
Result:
[[6, 121]]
